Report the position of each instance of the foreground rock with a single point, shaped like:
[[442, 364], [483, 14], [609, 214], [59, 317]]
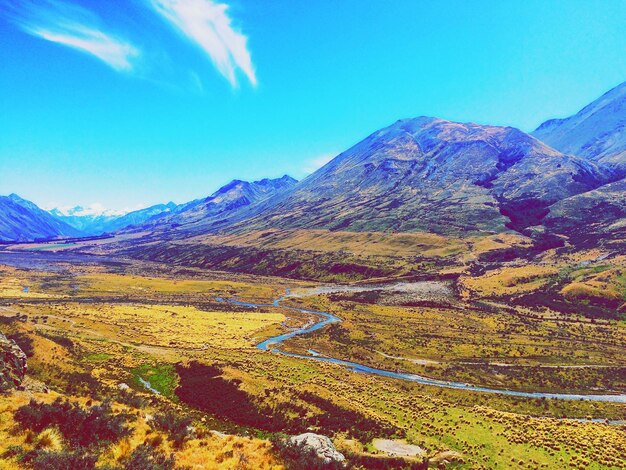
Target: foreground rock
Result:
[[398, 448], [12, 364], [321, 445]]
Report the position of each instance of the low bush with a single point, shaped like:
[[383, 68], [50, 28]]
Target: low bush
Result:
[[96, 425], [62, 460], [146, 457], [177, 427]]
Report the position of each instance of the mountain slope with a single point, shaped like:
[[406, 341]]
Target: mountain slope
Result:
[[590, 217], [21, 220], [230, 199], [427, 174], [99, 223], [597, 132]]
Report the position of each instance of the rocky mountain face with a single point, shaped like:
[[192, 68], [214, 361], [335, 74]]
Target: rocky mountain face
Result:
[[427, 174], [12, 364], [232, 198], [597, 132], [99, 223], [21, 220]]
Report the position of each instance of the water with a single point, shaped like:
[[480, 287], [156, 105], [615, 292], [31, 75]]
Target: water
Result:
[[273, 343], [148, 385]]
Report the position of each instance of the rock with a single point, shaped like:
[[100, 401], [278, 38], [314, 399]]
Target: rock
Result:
[[322, 445], [446, 458], [12, 364], [219, 434], [122, 386], [398, 448]]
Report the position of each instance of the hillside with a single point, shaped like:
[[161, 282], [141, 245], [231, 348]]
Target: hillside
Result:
[[225, 202], [596, 132], [21, 220], [428, 174]]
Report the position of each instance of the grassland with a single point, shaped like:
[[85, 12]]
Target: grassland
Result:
[[89, 329]]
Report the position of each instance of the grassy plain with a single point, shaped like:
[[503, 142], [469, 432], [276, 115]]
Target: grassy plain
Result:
[[89, 329]]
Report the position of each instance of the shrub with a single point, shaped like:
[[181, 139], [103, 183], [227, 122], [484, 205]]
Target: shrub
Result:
[[131, 399], [62, 460], [176, 426], [81, 383], [80, 427], [13, 451], [299, 456], [145, 457], [60, 340]]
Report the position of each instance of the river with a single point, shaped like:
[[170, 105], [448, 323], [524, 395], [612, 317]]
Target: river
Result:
[[272, 344]]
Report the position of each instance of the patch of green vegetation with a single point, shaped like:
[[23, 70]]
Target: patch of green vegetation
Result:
[[51, 247], [162, 377]]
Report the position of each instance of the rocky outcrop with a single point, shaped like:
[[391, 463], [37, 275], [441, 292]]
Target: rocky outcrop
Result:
[[12, 364], [321, 445]]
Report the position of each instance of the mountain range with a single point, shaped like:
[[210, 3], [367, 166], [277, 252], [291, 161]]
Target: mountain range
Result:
[[90, 223], [421, 174], [22, 220]]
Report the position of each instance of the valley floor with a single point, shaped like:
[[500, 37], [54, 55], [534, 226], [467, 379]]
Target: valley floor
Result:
[[160, 340]]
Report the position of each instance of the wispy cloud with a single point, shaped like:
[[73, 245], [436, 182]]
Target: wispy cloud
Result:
[[207, 24], [73, 27], [318, 162]]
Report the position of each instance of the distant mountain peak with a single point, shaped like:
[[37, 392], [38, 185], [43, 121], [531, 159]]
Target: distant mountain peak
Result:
[[94, 210], [597, 132]]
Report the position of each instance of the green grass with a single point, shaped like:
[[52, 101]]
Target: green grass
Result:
[[162, 377], [51, 247]]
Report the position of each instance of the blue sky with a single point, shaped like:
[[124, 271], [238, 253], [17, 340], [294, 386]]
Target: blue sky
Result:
[[160, 100]]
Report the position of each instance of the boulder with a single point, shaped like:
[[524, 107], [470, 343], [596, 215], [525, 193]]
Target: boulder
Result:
[[12, 364], [321, 445], [445, 458]]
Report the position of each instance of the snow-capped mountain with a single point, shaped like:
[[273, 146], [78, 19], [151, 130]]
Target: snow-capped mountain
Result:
[[95, 220]]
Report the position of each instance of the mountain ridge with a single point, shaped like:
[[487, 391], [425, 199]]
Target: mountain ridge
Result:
[[22, 220], [434, 175], [596, 132]]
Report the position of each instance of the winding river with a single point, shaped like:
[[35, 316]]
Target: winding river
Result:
[[272, 344]]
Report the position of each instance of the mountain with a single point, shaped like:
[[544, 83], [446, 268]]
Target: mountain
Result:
[[223, 203], [428, 174], [84, 219], [591, 217], [98, 222], [596, 132], [22, 220]]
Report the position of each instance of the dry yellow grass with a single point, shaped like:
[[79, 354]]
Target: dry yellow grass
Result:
[[367, 243], [508, 281], [213, 451], [163, 325], [15, 283], [115, 284], [227, 452]]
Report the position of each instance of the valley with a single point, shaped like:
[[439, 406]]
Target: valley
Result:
[[439, 295], [93, 322]]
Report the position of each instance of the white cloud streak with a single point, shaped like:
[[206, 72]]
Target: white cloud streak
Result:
[[76, 28], [318, 162], [207, 24]]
